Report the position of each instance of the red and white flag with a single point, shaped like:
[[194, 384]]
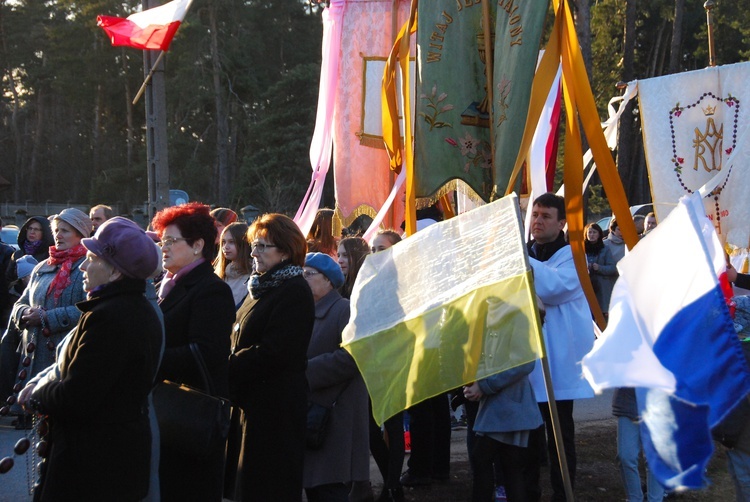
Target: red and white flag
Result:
[[151, 29]]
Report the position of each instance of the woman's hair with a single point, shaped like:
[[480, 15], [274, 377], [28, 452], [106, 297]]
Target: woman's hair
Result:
[[596, 246], [281, 231], [320, 238], [194, 221], [356, 249], [391, 235], [224, 216], [238, 231]]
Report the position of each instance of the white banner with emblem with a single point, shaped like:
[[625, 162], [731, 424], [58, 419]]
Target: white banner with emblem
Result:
[[695, 127]]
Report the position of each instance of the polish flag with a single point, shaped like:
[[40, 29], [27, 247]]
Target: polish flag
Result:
[[151, 29]]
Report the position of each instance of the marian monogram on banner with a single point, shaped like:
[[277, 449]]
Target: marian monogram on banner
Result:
[[699, 142]]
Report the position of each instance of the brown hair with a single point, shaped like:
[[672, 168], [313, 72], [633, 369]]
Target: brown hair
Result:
[[320, 238], [224, 215], [391, 235], [242, 265], [283, 233], [357, 249]]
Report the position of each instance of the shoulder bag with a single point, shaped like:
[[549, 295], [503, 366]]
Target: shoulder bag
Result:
[[190, 420], [318, 417]]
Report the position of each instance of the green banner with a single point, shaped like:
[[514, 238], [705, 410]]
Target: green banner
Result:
[[452, 125]]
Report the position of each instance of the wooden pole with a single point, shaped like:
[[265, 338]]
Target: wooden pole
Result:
[[561, 458], [710, 25], [489, 56], [148, 77], [406, 113]]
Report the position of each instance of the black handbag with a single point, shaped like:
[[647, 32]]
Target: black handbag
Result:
[[191, 421], [318, 417]]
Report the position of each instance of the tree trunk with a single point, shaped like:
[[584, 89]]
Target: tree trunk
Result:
[[583, 30], [222, 121], [625, 140], [37, 144], [675, 51]]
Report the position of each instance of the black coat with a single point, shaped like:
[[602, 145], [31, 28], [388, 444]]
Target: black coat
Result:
[[267, 380], [200, 310], [99, 435]]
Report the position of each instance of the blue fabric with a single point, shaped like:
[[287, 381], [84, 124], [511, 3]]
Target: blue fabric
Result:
[[704, 354]]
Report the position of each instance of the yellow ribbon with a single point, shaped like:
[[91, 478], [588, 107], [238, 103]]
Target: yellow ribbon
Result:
[[580, 105], [391, 135]]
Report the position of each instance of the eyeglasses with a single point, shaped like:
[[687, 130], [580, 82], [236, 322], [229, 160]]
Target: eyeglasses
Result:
[[168, 241], [260, 247], [309, 273], [34, 229]]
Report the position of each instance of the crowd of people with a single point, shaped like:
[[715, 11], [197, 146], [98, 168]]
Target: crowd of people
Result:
[[252, 314]]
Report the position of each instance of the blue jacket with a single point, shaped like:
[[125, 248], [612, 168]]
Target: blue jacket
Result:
[[509, 403]]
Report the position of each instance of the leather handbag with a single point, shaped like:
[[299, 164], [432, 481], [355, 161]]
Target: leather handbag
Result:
[[318, 417], [191, 421]]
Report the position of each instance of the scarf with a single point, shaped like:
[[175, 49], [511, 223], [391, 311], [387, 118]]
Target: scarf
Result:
[[169, 280], [615, 240], [261, 284], [31, 247], [593, 248], [544, 252], [65, 259]]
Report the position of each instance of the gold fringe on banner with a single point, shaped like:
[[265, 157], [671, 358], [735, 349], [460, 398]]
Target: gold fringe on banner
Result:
[[455, 185], [340, 221]]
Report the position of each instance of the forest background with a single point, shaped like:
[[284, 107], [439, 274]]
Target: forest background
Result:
[[241, 88]]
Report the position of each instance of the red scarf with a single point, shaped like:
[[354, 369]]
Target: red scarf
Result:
[[65, 259]]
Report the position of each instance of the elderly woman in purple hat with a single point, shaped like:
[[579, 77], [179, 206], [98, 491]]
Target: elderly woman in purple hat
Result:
[[99, 434], [334, 379], [47, 311]]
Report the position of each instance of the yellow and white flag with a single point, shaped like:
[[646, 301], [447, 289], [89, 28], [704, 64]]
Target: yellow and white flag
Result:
[[450, 305]]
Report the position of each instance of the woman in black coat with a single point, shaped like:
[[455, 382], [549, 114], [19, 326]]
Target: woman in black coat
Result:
[[96, 394], [267, 366], [198, 310], [34, 238]]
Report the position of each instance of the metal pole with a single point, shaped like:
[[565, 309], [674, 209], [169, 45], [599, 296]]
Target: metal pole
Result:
[[710, 25], [156, 129]]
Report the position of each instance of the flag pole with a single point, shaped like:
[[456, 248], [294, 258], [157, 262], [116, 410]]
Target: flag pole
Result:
[[561, 458], [148, 77], [489, 56], [710, 26]]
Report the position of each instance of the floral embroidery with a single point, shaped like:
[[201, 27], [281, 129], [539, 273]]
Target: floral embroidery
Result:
[[435, 103]]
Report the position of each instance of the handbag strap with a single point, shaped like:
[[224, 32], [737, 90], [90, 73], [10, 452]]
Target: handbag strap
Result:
[[207, 381], [341, 392]]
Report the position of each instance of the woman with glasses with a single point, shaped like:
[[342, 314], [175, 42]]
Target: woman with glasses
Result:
[[267, 366], [198, 310], [335, 383], [35, 239]]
